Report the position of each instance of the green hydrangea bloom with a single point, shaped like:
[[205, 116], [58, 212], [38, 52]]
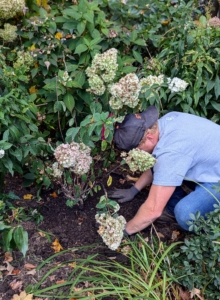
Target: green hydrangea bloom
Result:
[[9, 8], [8, 34], [139, 160]]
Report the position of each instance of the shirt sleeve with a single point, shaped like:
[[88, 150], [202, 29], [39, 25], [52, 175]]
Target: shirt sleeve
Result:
[[171, 168]]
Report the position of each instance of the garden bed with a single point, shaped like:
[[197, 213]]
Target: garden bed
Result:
[[72, 227]]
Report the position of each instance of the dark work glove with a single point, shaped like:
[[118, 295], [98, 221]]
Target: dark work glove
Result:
[[124, 195]]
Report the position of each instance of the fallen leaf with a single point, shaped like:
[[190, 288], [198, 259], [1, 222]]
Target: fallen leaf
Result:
[[175, 235], [42, 234], [109, 181], [23, 296], [32, 272], [160, 235], [28, 197], [184, 295], [29, 266], [54, 195], [8, 256], [15, 272], [16, 285], [196, 292], [72, 265], [9, 268], [60, 281], [52, 277], [56, 246]]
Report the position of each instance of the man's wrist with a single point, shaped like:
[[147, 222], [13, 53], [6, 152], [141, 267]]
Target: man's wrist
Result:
[[134, 191]]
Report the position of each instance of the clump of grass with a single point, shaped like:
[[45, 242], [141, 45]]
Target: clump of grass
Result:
[[143, 276]]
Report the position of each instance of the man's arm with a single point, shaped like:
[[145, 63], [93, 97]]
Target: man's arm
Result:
[[151, 209], [145, 179]]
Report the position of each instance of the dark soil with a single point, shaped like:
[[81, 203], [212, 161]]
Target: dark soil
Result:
[[73, 227]]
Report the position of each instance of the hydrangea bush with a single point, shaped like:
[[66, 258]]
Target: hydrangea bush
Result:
[[73, 162]]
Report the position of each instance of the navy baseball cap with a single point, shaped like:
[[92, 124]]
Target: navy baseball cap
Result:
[[129, 133]]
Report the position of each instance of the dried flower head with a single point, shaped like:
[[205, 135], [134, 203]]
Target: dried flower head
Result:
[[214, 22], [138, 160], [111, 229], [8, 34], [103, 70], [9, 8], [125, 92], [150, 80], [75, 156]]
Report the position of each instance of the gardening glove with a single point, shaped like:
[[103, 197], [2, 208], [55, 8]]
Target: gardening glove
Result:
[[124, 195]]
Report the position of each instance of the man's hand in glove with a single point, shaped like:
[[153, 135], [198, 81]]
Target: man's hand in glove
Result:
[[124, 195]]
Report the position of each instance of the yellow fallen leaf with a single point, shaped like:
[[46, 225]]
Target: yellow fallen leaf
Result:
[[42, 234], [33, 90], [56, 246], [60, 281], [72, 265], [23, 296], [109, 181], [28, 197]]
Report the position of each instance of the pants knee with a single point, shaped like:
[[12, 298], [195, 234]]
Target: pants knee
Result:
[[182, 217]]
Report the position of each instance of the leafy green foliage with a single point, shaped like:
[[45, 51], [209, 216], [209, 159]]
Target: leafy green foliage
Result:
[[198, 259]]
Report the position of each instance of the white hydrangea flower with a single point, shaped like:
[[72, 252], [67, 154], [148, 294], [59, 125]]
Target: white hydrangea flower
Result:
[[75, 156], [138, 160], [111, 229], [9, 8], [96, 84], [126, 91], [176, 84], [2, 153], [65, 156], [82, 165], [150, 80], [103, 70], [57, 173]]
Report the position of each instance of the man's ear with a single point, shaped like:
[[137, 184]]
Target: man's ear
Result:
[[150, 136]]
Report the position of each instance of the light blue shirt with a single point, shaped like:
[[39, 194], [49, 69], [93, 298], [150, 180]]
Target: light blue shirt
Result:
[[188, 148]]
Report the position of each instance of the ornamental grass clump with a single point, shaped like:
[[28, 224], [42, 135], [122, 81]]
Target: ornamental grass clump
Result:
[[138, 160], [73, 163]]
